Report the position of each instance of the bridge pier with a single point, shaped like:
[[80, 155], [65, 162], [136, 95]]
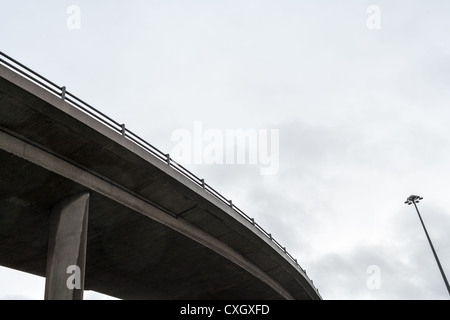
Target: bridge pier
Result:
[[66, 257]]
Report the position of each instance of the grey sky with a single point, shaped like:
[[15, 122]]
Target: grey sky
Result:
[[363, 116]]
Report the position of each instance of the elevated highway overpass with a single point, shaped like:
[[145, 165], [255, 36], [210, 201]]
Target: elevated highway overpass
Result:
[[79, 189]]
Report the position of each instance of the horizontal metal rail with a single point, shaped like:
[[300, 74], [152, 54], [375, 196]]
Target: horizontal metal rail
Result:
[[121, 129]]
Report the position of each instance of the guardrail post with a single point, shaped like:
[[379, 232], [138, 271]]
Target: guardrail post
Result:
[[63, 93], [231, 204], [253, 221], [122, 130], [168, 159], [270, 236], [203, 183]]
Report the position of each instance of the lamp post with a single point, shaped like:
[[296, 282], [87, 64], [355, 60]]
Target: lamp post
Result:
[[413, 199]]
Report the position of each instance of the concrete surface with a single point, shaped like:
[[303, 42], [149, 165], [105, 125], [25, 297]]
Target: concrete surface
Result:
[[66, 257]]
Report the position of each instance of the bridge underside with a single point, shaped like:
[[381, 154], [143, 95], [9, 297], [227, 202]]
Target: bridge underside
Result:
[[129, 255]]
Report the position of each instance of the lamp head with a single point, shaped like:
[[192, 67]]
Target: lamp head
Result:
[[413, 199]]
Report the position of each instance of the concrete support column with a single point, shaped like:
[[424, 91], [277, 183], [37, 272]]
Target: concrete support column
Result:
[[66, 257]]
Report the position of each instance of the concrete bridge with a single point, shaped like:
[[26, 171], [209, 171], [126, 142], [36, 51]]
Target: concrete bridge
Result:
[[88, 204]]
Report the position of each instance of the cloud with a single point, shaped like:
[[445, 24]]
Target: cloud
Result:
[[407, 267], [348, 276]]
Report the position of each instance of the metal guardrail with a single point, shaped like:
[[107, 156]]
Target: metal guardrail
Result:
[[121, 129]]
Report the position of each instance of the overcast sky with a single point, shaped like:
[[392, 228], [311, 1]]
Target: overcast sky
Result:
[[359, 92]]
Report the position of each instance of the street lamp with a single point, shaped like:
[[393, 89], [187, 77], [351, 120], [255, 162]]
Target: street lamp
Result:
[[413, 199]]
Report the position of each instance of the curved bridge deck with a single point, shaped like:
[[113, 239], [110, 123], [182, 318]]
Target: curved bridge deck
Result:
[[153, 231]]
